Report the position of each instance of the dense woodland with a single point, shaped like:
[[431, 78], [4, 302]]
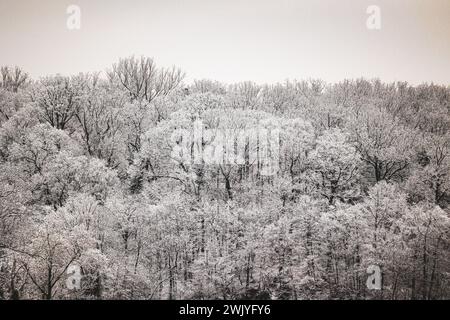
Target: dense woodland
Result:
[[88, 178]]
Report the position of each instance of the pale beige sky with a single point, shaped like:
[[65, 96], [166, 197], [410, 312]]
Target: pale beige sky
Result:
[[234, 40]]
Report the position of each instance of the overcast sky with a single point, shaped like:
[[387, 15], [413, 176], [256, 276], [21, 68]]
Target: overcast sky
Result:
[[234, 40]]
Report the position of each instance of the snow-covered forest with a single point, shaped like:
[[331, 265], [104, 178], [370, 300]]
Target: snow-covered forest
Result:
[[98, 187]]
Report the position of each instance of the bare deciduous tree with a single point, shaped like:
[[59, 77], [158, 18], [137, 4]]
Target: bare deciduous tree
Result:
[[12, 79], [143, 80]]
